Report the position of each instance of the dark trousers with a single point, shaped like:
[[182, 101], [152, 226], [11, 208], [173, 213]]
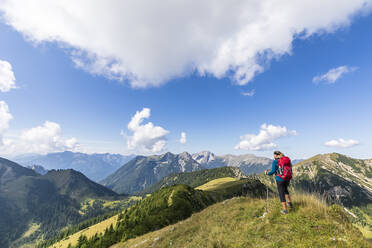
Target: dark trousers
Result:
[[282, 189]]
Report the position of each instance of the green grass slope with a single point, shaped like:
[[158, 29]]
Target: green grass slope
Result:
[[237, 223]]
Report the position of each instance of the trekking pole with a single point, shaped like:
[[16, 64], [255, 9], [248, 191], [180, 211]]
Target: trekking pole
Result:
[[267, 199], [267, 203]]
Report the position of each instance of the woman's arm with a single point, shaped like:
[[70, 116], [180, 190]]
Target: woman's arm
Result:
[[273, 168]]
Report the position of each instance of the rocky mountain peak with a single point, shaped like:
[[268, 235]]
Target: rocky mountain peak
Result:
[[203, 157], [184, 155]]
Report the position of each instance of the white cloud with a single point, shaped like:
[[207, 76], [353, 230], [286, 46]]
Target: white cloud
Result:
[[249, 93], [150, 42], [5, 117], [41, 139], [341, 143], [183, 138], [7, 78], [146, 138], [334, 74], [264, 140]]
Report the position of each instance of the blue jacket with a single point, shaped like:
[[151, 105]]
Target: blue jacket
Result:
[[274, 169]]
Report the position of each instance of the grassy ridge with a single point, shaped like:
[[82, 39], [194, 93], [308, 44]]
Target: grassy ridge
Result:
[[339, 179], [160, 209], [237, 223], [165, 207]]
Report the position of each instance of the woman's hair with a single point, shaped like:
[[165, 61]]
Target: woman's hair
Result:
[[279, 153]]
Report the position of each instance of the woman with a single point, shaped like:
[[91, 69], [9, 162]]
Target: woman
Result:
[[283, 173]]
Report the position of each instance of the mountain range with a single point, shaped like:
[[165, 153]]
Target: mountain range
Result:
[[118, 173], [142, 172], [95, 166], [65, 197]]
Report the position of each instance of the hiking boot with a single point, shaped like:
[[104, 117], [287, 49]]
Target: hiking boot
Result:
[[284, 211], [289, 204]]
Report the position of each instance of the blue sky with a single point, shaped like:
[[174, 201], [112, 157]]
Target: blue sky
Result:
[[212, 111]]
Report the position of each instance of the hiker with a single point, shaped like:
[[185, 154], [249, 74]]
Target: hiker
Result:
[[282, 168]]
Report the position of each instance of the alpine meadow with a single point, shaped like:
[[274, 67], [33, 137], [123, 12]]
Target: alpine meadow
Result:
[[185, 124]]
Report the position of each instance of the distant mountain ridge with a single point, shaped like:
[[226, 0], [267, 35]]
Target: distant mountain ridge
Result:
[[142, 171], [248, 163], [10, 171], [77, 186], [95, 166]]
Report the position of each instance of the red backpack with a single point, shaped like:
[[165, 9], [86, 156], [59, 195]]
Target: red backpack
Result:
[[285, 168]]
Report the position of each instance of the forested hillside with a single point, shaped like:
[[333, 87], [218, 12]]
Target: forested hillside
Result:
[[34, 206]]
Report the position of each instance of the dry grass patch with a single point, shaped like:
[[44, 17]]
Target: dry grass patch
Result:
[[89, 232], [216, 183]]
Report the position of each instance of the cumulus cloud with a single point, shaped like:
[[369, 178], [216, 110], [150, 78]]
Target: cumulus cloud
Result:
[[7, 78], [249, 93], [41, 139], [146, 138], [5, 117], [264, 140], [183, 139], [334, 74], [341, 143], [151, 42]]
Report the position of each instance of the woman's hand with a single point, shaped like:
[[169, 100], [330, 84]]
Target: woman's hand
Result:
[[266, 172]]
